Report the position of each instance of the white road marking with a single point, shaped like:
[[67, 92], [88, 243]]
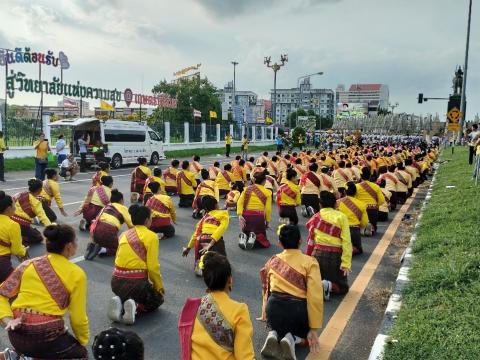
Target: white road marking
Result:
[[77, 259]]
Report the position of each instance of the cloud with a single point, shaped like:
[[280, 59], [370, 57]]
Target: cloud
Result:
[[236, 8]]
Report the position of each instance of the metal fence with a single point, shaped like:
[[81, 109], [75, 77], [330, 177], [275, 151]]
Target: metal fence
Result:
[[211, 132], [177, 133], [195, 132], [21, 132]]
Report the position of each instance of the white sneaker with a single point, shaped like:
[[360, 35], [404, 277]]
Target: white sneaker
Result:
[[271, 348], [287, 345], [327, 288], [304, 211], [251, 240], [83, 225], [310, 211], [130, 309], [242, 241], [115, 309], [368, 230]]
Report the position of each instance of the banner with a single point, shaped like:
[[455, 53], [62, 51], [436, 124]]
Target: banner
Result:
[[347, 110], [197, 113]]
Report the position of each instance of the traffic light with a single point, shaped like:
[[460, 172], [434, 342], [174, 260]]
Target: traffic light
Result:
[[420, 98]]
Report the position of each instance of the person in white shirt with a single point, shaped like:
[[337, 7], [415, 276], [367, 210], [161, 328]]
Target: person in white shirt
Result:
[[69, 168], [61, 147], [473, 137]]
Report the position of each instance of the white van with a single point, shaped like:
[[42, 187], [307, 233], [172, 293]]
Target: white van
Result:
[[124, 141]]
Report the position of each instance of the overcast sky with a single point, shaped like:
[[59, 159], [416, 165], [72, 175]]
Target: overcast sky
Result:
[[411, 45]]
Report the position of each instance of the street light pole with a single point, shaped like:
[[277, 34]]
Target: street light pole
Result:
[[275, 67], [234, 63], [300, 94], [463, 101]]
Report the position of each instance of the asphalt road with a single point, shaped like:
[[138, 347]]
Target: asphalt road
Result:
[[159, 329]]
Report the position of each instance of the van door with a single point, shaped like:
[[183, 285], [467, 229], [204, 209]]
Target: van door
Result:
[[156, 145]]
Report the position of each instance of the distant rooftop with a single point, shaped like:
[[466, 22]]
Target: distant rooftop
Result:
[[365, 87]]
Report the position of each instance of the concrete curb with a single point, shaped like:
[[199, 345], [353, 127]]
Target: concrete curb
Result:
[[395, 302]]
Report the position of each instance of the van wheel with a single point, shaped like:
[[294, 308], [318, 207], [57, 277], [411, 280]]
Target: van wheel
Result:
[[154, 159], [116, 161]]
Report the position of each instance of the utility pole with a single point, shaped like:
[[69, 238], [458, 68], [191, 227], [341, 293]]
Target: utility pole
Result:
[[275, 67], [463, 102], [234, 63]]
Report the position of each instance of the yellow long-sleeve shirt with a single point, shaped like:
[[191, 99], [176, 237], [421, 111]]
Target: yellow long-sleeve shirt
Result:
[[287, 200], [37, 208], [222, 182], [51, 189], [211, 229], [95, 200], [309, 268], [10, 233], [195, 168], [255, 203], [308, 187], [401, 186], [2, 146], [122, 209], [167, 201], [339, 219], [341, 177], [232, 197], [352, 217], [184, 188], [239, 173], [33, 295], [126, 258], [171, 181], [387, 195], [364, 196], [96, 179], [237, 315], [412, 171], [202, 190], [146, 189]]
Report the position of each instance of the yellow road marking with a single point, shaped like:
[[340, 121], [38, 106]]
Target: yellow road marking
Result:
[[335, 327]]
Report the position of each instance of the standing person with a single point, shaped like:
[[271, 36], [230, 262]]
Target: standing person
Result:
[[68, 168], [288, 198], [186, 185], [292, 298], [136, 279], [371, 194], [3, 148], [139, 176], [279, 142], [244, 147], [310, 184], [27, 207], [356, 212], [82, 149], [43, 290], [61, 148], [228, 143], [329, 242], [51, 190], [97, 198], [105, 228], [301, 142], [254, 210], [208, 234], [163, 212], [41, 156], [170, 176], [10, 236], [473, 137], [215, 327]]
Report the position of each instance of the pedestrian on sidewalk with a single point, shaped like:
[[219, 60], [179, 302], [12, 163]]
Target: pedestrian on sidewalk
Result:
[[61, 148], [41, 156], [3, 148], [228, 143]]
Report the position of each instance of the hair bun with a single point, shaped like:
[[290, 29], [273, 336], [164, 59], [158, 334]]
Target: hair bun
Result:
[[51, 232]]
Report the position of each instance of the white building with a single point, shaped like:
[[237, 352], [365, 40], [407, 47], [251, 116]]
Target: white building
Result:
[[245, 103], [375, 95], [321, 101]]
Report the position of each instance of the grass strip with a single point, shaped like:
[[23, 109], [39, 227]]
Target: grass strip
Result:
[[20, 164], [440, 314]]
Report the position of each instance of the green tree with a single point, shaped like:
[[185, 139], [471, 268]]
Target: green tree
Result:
[[292, 117], [191, 94]]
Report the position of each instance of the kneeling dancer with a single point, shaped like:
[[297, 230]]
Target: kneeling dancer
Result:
[[208, 235], [44, 289], [136, 279], [329, 242], [292, 298]]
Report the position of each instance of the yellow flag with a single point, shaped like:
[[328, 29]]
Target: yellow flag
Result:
[[268, 120], [213, 114], [106, 106]]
